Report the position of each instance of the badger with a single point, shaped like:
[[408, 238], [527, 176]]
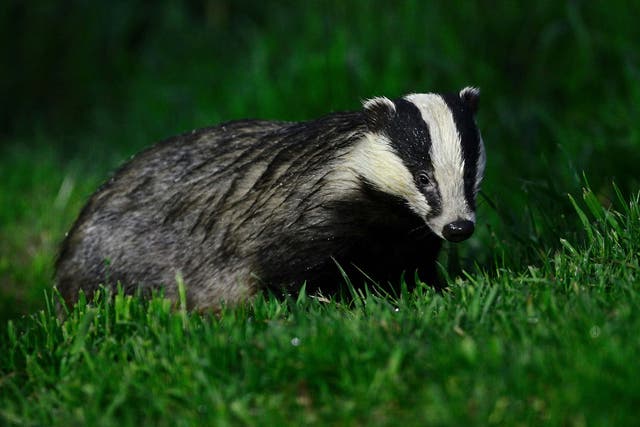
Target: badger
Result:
[[252, 205]]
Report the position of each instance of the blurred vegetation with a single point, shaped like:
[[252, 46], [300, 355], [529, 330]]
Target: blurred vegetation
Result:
[[86, 84]]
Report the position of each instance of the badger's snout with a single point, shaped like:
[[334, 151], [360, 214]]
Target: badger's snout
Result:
[[457, 231]]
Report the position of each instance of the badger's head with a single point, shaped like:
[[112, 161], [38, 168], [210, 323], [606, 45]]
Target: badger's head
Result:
[[427, 150]]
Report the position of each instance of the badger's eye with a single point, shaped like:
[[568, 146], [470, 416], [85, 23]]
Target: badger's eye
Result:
[[423, 179]]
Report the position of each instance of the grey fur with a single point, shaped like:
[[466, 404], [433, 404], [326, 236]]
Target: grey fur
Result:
[[237, 208]]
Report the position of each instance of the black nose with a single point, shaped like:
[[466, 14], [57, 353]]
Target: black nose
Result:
[[457, 231]]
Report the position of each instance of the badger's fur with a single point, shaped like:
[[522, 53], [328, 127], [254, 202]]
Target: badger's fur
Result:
[[253, 204]]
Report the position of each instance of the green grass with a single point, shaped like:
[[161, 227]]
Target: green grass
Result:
[[556, 343], [540, 325], [38, 202]]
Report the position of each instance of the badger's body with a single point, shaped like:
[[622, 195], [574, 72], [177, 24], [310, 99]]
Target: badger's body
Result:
[[253, 204]]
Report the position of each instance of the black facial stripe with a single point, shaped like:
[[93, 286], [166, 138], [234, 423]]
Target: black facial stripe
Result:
[[409, 135], [430, 190], [470, 137], [434, 198]]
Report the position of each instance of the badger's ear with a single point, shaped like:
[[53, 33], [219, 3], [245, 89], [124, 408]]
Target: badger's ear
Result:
[[378, 112], [471, 96]]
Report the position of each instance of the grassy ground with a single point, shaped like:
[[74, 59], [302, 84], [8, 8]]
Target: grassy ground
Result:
[[541, 327], [554, 344]]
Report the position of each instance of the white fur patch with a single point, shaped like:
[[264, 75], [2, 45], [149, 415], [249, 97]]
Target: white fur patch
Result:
[[446, 157], [469, 91], [374, 159], [379, 101]]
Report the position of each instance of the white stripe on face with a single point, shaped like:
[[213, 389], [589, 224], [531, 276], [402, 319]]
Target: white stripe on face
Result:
[[374, 159], [446, 158]]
